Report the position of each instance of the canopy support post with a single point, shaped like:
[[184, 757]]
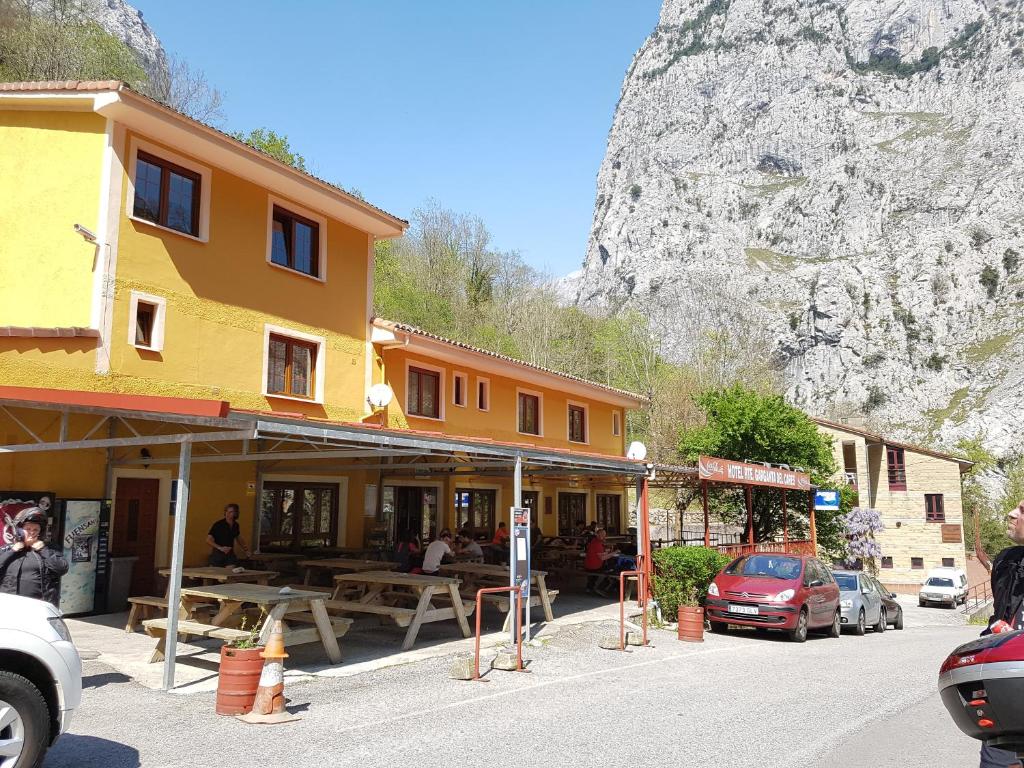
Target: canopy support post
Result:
[[177, 561]]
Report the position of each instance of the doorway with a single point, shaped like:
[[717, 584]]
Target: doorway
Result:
[[475, 509], [572, 513], [135, 521], [294, 515], [415, 511]]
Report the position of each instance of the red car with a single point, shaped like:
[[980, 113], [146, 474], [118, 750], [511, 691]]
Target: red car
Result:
[[775, 590]]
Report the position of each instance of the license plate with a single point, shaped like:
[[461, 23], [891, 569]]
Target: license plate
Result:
[[750, 610]]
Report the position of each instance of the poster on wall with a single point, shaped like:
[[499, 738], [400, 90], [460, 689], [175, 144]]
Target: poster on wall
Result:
[[13, 502], [84, 542]]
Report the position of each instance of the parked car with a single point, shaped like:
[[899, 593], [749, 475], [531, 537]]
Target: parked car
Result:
[[940, 590], [40, 680], [893, 610], [775, 590], [861, 602], [959, 577]]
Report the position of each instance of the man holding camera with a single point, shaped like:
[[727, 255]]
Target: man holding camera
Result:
[[29, 567]]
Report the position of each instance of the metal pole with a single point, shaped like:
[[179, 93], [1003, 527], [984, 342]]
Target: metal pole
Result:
[[814, 528], [177, 560], [517, 497], [707, 518], [785, 522], [750, 514]]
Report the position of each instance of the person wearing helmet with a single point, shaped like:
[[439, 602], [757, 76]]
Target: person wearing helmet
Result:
[[29, 567], [1007, 610]]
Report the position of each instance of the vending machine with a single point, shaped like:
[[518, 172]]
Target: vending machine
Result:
[[83, 526]]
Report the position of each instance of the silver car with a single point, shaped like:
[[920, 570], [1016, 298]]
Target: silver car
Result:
[[860, 602]]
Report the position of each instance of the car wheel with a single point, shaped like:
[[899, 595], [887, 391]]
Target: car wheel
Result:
[[861, 626], [837, 626], [719, 627], [898, 624], [921, 603], [24, 722], [880, 626], [799, 633]]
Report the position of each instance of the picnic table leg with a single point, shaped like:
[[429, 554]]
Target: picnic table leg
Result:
[[158, 652], [323, 624], [309, 575], [545, 600], [277, 612], [417, 619], [460, 612], [227, 610]]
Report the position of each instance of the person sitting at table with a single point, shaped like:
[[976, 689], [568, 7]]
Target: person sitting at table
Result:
[[405, 551], [222, 537], [596, 560], [436, 552], [469, 546], [501, 535]]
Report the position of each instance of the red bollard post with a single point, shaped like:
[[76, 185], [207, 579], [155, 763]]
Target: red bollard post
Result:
[[519, 634]]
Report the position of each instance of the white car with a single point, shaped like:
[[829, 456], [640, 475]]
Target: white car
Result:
[[940, 590], [40, 680]]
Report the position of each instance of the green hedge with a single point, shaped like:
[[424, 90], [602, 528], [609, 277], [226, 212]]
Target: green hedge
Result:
[[682, 576]]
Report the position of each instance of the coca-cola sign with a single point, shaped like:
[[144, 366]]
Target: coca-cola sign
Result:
[[717, 470]]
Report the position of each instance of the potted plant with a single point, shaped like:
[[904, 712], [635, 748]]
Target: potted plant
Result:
[[240, 667], [681, 579]]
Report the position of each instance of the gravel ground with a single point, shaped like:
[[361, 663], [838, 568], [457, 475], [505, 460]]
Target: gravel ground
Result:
[[739, 700]]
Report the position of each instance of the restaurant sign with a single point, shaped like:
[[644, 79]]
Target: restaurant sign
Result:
[[717, 470]]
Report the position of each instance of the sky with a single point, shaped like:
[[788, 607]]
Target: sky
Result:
[[498, 108]]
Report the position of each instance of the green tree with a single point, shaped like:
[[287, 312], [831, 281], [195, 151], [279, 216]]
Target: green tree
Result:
[[745, 425], [274, 144], [980, 509]]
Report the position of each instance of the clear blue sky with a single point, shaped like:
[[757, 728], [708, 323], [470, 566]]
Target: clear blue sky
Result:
[[499, 108]]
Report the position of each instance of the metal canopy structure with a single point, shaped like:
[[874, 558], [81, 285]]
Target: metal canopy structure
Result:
[[35, 421]]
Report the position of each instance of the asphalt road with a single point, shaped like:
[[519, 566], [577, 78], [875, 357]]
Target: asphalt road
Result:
[[737, 700]]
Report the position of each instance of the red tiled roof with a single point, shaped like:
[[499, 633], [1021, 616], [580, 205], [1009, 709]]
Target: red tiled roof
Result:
[[117, 85], [35, 332], [393, 325], [178, 406]]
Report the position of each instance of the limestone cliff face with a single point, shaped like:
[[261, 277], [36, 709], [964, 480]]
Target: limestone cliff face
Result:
[[849, 175], [125, 22]]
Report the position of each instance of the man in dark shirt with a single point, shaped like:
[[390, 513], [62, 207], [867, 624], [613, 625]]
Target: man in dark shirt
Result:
[[222, 537], [1008, 606]]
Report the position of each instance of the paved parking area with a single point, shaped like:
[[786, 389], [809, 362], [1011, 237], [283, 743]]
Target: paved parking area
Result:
[[739, 699]]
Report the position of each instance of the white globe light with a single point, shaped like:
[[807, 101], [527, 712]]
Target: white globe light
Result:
[[380, 395], [637, 451]]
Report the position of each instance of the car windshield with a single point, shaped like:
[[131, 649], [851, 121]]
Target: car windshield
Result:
[[940, 582], [847, 582], [768, 566]]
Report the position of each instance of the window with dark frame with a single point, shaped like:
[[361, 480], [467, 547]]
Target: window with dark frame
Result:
[[291, 366], [609, 515], [145, 321], [529, 414], [483, 395], [295, 242], [423, 396], [577, 424], [934, 509], [896, 468], [475, 509], [917, 563], [887, 562], [948, 562], [167, 194], [616, 424], [298, 515], [459, 390]]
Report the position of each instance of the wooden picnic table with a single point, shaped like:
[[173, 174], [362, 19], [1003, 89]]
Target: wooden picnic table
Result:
[[384, 589], [344, 565], [477, 575], [291, 607], [275, 557], [210, 574]]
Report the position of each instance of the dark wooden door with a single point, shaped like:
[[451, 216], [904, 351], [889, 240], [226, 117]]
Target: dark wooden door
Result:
[[609, 513], [572, 512], [135, 518]]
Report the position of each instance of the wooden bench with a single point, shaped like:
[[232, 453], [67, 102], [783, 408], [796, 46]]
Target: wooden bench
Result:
[[401, 616], [141, 608], [188, 628]]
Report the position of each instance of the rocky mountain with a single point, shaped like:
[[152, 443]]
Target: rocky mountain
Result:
[[125, 22], [843, 179]]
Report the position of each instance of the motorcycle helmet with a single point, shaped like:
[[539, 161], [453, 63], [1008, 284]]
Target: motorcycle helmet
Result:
[[32, 515]]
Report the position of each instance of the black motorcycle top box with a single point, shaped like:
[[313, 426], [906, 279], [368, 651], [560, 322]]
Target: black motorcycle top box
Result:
[[982, 686]]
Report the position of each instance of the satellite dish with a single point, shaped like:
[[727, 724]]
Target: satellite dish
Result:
[[380, 395], [637, 451]]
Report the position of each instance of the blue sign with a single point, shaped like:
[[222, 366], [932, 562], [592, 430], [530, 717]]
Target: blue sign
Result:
[[826, 501]]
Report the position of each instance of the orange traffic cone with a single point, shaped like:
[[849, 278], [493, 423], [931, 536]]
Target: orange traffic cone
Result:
[[268, 706]]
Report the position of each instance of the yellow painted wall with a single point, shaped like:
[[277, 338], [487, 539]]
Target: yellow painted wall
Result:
[[50, 172], [500, 421]]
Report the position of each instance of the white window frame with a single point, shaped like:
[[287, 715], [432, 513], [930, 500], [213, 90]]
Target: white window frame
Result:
[[305, 213], [487, 386], [156, 335], [205, 179], [460, 376], [616, 424], [319, 371], [586, 422], [540, 411], [441, 384]]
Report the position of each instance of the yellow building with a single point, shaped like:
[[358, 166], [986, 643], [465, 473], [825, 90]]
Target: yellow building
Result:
[[147, 254], [917, 493]]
